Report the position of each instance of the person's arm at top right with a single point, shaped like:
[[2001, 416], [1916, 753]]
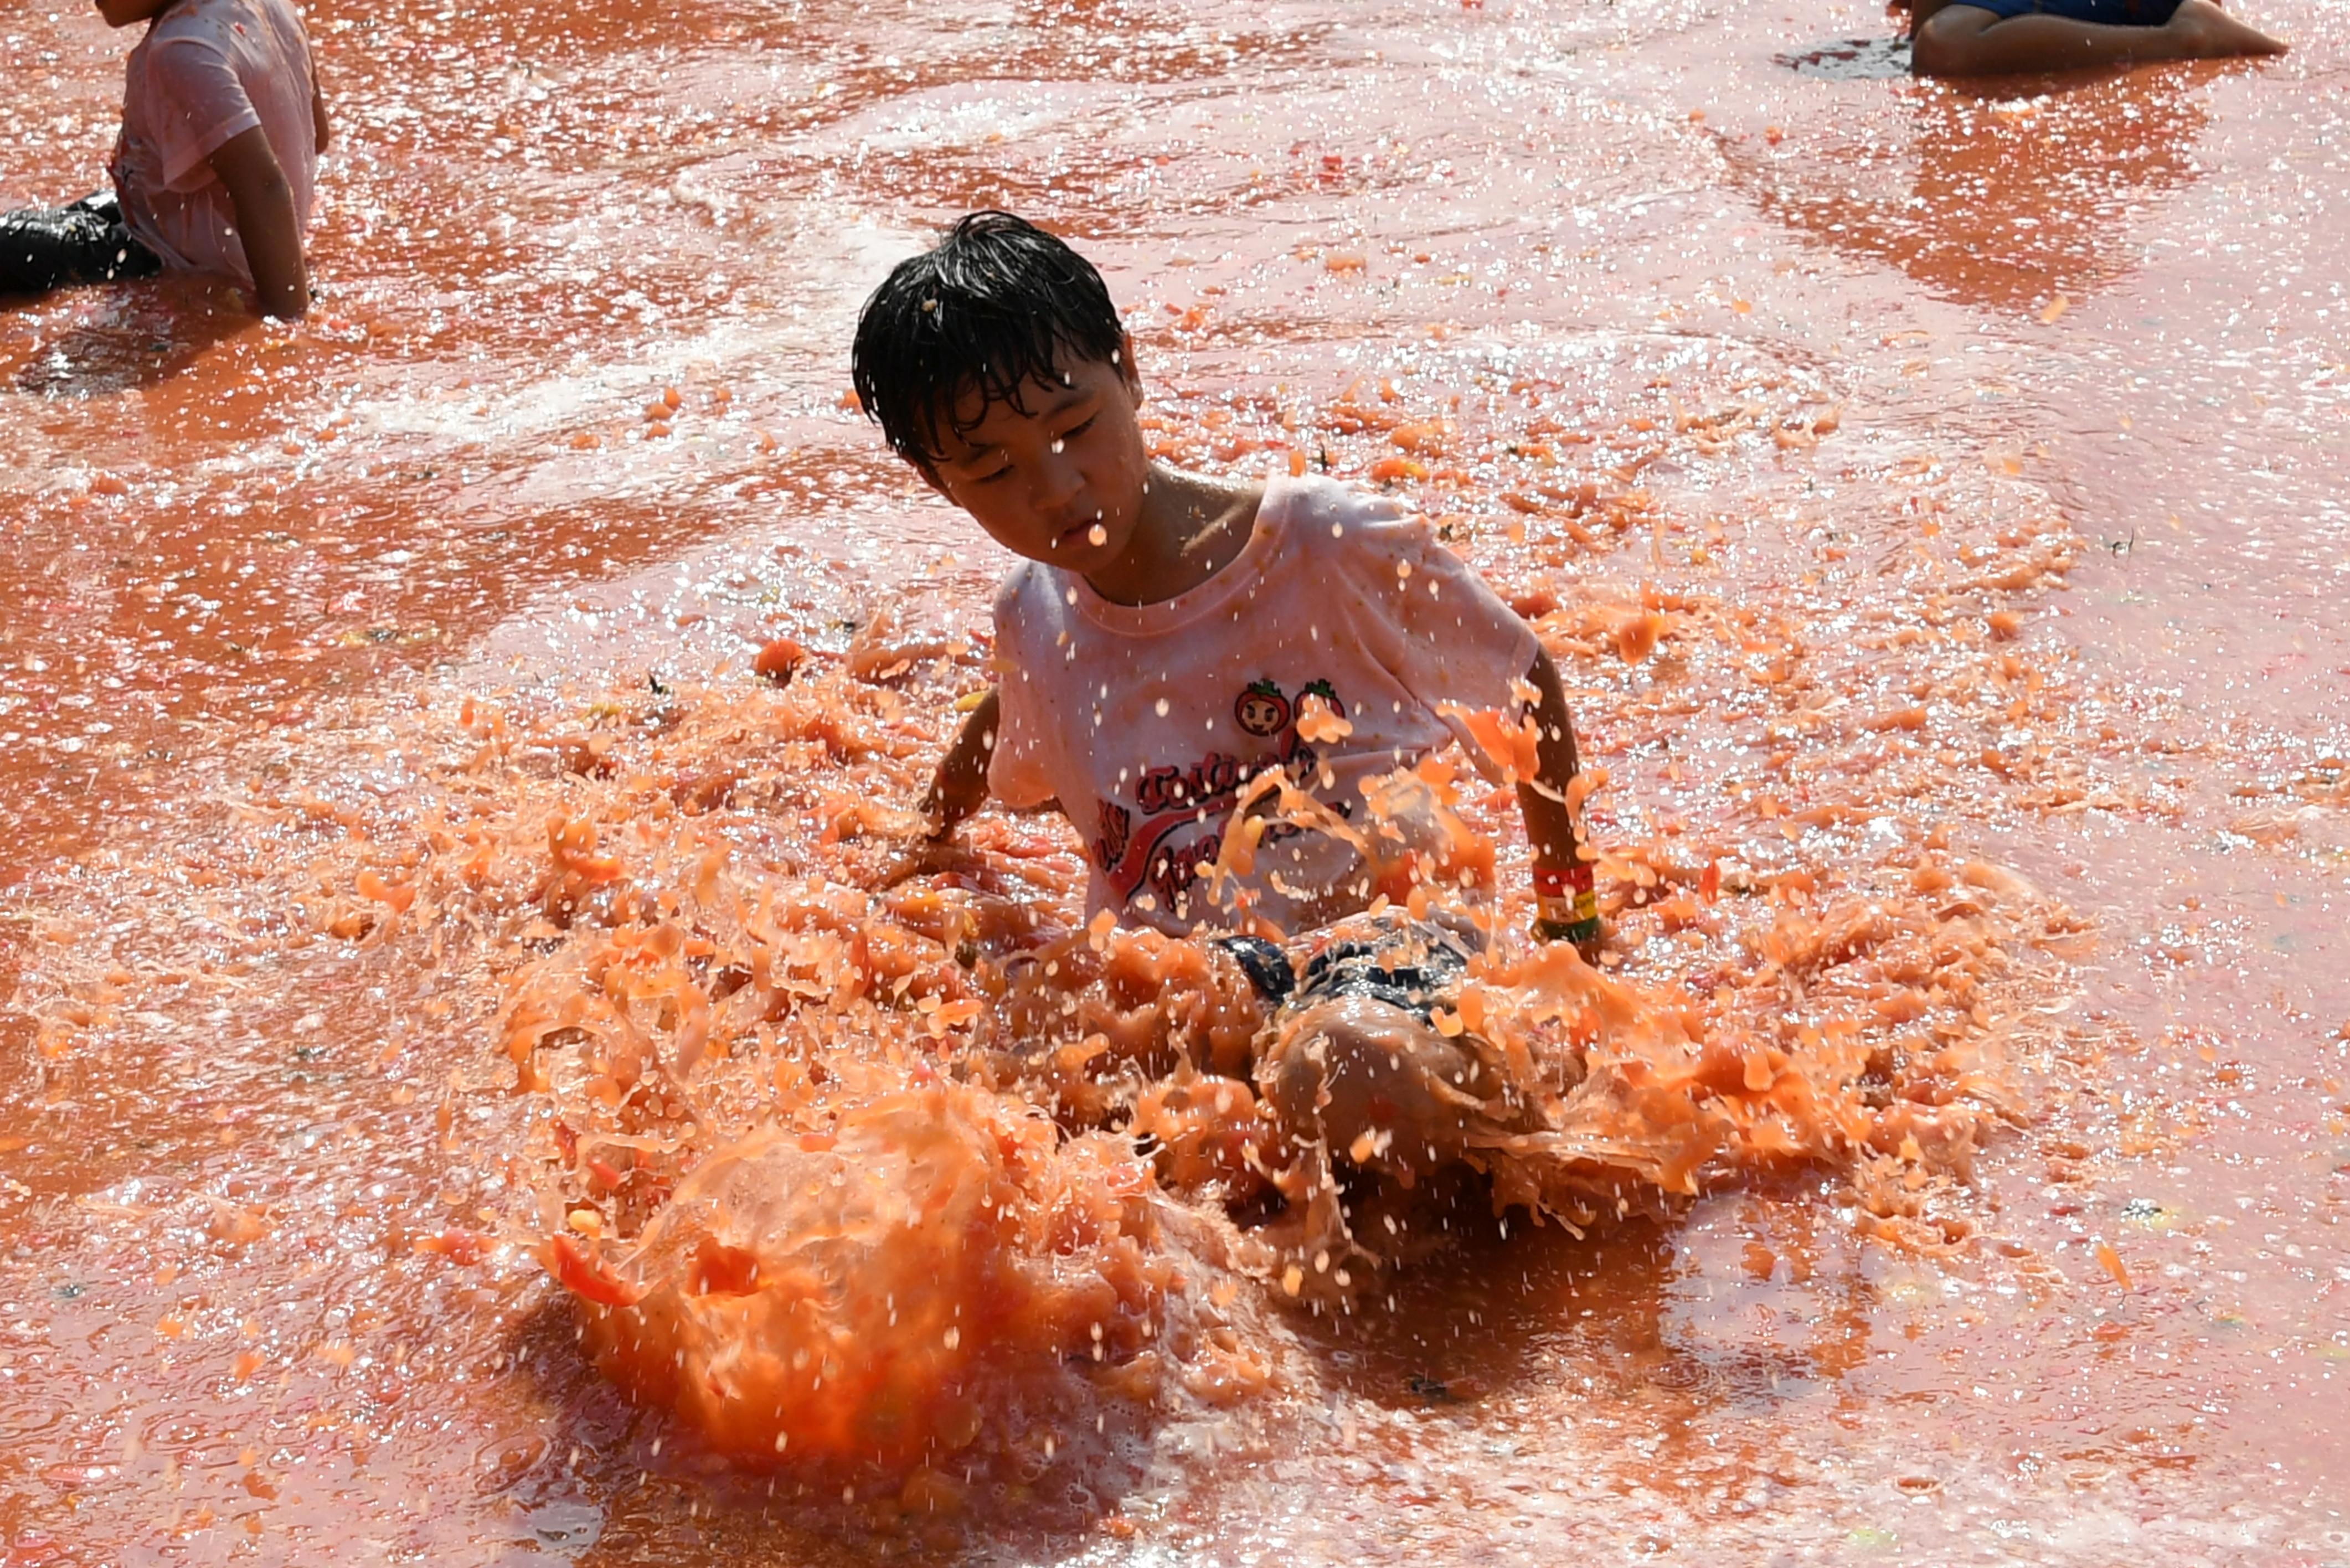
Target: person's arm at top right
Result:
[[265, 222], [959, 787], [321, 130]]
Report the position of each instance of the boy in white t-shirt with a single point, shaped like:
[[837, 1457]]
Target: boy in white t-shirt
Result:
[[223, 125], [1172, 644]]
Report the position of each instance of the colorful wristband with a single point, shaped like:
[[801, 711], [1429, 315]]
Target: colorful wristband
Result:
[[1566, 904], [1561, 883]]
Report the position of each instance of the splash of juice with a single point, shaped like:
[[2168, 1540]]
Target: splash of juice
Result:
[[888, 1162]]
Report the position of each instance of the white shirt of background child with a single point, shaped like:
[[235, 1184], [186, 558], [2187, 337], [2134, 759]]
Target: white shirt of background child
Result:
[[206, 71]]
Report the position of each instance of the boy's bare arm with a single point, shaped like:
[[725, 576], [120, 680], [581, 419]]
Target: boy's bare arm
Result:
[[265, 223], [1562, 876], [960, 785]]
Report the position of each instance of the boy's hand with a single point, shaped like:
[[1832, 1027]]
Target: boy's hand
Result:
[[265, 223], [1567, 908], [960, 785]]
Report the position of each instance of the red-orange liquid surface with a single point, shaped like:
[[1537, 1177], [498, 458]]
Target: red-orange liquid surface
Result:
[[1910, 477]]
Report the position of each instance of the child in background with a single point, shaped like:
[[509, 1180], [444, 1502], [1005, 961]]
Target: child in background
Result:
[[1169, 639], [223, 125], [1994, 38]]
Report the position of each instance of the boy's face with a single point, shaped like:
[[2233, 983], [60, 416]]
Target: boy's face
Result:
[[1062, 483], [128, 13]]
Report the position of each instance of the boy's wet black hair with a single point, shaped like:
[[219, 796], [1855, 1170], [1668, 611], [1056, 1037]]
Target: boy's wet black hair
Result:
[[996, 306]]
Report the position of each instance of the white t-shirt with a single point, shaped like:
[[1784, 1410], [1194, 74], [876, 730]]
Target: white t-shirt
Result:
[[1146, 721], [208, 70]]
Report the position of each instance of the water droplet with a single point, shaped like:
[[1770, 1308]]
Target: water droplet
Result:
[[1097, 534]]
